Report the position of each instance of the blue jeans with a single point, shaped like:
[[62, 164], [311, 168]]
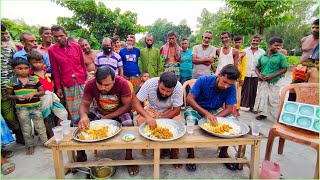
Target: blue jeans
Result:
[[25, 114]]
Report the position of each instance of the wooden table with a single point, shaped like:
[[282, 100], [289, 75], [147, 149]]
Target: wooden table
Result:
[[198, 139]]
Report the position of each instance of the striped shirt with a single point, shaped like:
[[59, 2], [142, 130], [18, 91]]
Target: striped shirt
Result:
[[148, 92], [19, 89], [114, 61]]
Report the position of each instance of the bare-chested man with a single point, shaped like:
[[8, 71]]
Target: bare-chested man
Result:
[[89, 57], [171, 53], [309, 43], [227, 54]]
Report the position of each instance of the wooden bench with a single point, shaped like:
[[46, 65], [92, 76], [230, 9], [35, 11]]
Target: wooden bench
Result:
[[199, 139]]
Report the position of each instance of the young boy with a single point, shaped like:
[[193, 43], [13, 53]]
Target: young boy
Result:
[[144, 77], [26, 90], [49, 102]]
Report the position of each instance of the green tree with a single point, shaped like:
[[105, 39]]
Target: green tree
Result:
[[18, 26], [252, 17], [160, 28], [95, 21]]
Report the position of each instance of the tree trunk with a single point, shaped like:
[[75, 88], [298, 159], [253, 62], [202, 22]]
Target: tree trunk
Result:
[[261, 30]]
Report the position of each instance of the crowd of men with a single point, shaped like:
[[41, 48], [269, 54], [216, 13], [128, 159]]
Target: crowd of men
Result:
[[68, 80]]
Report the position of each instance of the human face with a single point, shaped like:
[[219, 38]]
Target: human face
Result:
[[5, 36], [145, 77], [255, 42], [85, 46], [225, 40], [163, 92], [60, 37], [149, 40], [106, 85], [172, 39], [22, 70], [184, 45], [206, 39], [315, 31], [130, 42], [30, 42], [46, 36], [223, 82], [37, 65], [237, 44], [118, 44], [274, 47]]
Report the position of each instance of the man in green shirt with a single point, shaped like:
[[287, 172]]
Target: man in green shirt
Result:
[[270, 69], [150, 58]]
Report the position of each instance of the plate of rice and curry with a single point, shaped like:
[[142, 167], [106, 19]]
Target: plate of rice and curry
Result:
[[97, 131], [166, 130], [225, 128]]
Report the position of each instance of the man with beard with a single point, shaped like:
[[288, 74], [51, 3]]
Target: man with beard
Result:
[[270, 69], [203, 56], [46, 36], [227, 54], [29, 42], [164, 100], [150, 58], [171, 54], [206, 98], [68, 69], [250, 83], [89, 56], [309, 43], [108, 57], [8, 48], [113, 97], [130, 56]]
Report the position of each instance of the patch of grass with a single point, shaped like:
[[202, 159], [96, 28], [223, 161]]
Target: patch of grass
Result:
[[293, 60]]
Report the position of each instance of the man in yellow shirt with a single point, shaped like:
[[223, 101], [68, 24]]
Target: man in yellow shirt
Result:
[[237, 42]]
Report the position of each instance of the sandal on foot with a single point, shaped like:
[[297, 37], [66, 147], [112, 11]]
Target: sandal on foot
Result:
[[7, 168], [131, 171], [6, 154]]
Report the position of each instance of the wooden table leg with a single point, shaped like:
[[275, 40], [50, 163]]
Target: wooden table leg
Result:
[[156, 165], [58, 163], [241, 154], [255, 158], [71, 158]]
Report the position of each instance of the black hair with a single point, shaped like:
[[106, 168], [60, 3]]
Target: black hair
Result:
[[82, 39], [183, 39], [231, 71], [56, 28], [34, 55], [225, 32], [169, 79], [3, 26], [43, 28], [172, 33], [256, 36], [144, 72], [22, 36], [274, 40], [71, 39], [17, 61], [103, 72], [237, 38], [316, 22]]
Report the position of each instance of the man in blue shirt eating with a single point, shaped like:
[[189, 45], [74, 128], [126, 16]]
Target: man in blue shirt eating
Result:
[[206, 98]]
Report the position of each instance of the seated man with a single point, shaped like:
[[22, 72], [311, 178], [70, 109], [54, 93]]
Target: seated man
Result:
[[206, 98], [164, 100], [113, 97]]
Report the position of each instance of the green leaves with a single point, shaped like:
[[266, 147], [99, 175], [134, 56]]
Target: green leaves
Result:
[[95, 21]]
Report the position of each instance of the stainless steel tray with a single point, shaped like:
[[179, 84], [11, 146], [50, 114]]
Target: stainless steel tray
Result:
[[244, 128], [102, 122], [177, 127]]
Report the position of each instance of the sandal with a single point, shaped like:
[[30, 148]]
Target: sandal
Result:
[[191, 167], [131, 170], [6, 154], [7, 168]]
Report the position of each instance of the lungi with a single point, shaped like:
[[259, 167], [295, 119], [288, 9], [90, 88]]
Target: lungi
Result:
[[73, 97], [249, 92]]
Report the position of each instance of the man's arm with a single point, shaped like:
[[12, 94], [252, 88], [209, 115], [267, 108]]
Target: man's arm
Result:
[[46, 61], [192, 102], [259, 74], [138, 107], [206, 61], [175, 111], [125, 108], [271, 76], [55, 69], [225, 112], [83, 112], [120, 69], [83, 65], [236, 56]]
